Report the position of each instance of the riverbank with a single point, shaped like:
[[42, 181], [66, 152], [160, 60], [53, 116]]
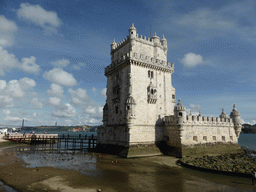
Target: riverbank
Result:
[[237, 164], [108, 173]]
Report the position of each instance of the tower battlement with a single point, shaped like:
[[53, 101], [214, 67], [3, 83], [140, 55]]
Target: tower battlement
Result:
[[201, 120]]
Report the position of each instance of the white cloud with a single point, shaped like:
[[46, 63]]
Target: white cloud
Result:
[[48, 20], [36, 103], [7, 61], [28, 65], [27, 83], [104, 92], [2, 84], [54, 101], [194, 108], [55, 90], [78, 66], [191, 60], [6, 101], [94, 89], [58, 76], [6, 112], [7, 31], [14, 89], [66, 112], [80, 98], [61, 63], [13, 119]]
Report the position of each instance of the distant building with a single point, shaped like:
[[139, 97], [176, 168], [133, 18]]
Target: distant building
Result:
[[140, 117]]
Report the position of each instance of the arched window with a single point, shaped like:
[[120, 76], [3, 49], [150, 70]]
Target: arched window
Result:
[[149, 74], [180, 114]]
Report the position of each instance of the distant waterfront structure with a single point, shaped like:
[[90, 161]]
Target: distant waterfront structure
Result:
[[140, 117], [22, 124], [56, 124]]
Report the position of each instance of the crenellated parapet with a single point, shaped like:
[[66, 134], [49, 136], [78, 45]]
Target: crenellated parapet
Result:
[[144, 40], [200, 120]]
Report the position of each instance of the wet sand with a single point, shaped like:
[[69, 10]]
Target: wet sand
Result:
[[90, 172]]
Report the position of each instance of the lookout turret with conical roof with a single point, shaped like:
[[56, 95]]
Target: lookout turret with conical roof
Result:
[[180, 113], [235, 115], [223, 114]]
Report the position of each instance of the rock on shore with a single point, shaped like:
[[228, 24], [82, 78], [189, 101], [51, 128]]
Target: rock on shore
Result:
[[238, 163]]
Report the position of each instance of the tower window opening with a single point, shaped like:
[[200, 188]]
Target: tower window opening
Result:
[[214, 138], [149, 74], [152, 74], [180, 114], [128, 107], [131, 32], [152, 91], [173, 96], [116, 109], [223, 138]]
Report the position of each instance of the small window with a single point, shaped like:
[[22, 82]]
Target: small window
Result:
[[223, 138], [173, 96], [205, 138], [231, 138], [152, 91], [131, 32], [160, 108], [116, 109], [180, 114], [152, 74], [214, 138], [149, 74], [128, 107], [194, 138]]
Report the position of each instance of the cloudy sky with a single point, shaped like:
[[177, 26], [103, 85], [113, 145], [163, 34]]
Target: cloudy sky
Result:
[[53, 55]]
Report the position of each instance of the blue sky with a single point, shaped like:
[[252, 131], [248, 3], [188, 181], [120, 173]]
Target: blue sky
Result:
[[53, 55]]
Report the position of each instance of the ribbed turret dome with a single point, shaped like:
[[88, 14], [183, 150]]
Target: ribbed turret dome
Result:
[[179, 107], [223, 114], [234, 112], [132, 27]]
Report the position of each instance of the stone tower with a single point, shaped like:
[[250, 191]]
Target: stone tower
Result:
[[139, 96]]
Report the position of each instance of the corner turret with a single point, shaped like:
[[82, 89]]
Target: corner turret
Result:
[[180, 113], [155, 39], [235, 115], [113, 45], [164, 43], [223, 114], [132, 32]]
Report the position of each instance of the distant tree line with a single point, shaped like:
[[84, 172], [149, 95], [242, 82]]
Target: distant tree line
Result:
[[60, 128], [247, 128]]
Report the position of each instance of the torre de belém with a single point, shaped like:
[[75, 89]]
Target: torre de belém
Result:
[[141, 117]]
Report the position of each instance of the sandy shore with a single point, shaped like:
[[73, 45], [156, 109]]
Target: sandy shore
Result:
[[112, 173]]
